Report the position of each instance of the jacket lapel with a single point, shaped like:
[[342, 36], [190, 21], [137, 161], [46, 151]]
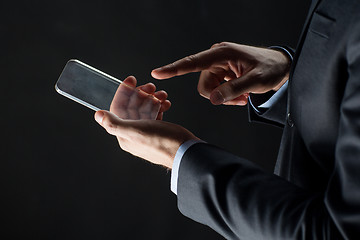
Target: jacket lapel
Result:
[[314, 4]]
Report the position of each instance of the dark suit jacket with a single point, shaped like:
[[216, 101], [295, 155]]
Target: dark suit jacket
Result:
[[316, 194]]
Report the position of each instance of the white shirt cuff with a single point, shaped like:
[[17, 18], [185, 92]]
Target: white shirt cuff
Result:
[[268, 104], [274, 97], [177, 160]]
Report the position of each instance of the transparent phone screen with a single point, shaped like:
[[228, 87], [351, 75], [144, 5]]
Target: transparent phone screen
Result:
[[96, 90]]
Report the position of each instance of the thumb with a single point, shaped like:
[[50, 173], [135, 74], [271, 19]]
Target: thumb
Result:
[[235, 88], [110, 122]]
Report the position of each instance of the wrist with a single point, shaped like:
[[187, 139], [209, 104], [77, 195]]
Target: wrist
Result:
[[285, 61], [173, 148]]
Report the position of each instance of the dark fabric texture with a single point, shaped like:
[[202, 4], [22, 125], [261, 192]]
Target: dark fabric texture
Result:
[[276, 115], [315, 191]]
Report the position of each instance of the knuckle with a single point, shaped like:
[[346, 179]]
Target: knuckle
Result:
[[224, 49], [173, 68], [216, 45], [234, 86], [260, 81], [220, 44], [204, 89], [109, 124], [122, 144], [191, 58], [257, 75], [224, 44]]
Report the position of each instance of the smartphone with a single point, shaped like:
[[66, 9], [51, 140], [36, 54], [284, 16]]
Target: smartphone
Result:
[[96, 90], [87, 85]]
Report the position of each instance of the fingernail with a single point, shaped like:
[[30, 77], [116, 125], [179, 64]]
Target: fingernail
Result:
[[154, 72], [99, 117], [217, 98], [157, 70]]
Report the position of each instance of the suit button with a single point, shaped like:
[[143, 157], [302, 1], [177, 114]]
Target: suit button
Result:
[[289, 120]]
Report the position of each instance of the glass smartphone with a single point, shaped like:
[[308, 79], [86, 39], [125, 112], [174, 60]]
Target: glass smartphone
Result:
[[96, 90], [87, 85]]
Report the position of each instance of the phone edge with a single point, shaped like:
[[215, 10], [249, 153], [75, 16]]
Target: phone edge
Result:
[[65, 94]]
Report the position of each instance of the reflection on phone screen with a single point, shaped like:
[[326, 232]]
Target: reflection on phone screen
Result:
[[96, 90]]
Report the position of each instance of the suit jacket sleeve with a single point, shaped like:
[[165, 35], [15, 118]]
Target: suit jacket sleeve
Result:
[[240, 201]]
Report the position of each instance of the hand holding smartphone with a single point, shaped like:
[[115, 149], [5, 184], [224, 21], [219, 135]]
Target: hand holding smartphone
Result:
[[96, 90]]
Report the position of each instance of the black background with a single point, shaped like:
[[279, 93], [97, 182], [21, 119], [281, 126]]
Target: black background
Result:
[[61, 175]]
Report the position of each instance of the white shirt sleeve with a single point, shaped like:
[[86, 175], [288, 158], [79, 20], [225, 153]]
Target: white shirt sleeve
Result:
[[176, 164]]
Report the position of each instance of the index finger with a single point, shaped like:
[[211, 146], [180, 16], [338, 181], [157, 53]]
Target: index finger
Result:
[[193, 63]]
